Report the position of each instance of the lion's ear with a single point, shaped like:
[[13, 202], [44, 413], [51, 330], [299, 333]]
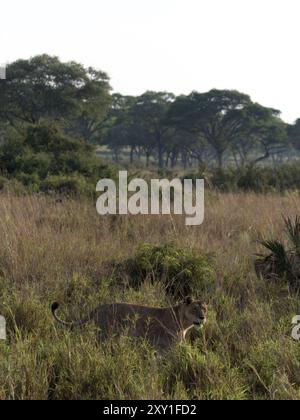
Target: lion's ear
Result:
[[188, 300]]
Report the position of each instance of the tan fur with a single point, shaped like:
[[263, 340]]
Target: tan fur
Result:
[[160, 326]]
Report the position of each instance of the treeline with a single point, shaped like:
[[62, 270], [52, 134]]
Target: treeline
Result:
[[76, 104], [205, 129]]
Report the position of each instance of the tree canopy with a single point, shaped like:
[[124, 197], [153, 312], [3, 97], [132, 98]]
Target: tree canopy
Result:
[[214, 128], [45, 88]]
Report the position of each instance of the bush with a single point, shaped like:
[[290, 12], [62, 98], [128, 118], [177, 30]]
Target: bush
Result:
[[225, 179], [182, 272], [282, 262], [66, 185], [260, 179], [13, 186], [46, 159], [30, 181]]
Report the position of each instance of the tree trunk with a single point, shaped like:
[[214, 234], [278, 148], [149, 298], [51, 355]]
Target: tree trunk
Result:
[[220, 160], [131, 154], [160, 157], [173, 160]]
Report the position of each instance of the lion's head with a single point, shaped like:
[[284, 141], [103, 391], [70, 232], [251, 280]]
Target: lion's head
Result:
[[194, 312]]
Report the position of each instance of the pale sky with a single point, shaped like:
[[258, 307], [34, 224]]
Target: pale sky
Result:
[[170, 45]]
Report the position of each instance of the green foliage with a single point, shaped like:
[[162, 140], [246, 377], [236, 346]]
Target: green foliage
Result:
[[206, 376], [66, 185], [218, 116], [44, 87], [280, 258], [272, 367], [13, 186], [293, 231], [182, 272], [46, 159], [259, 179], [141, 123], [282, 262], [201, 128], [268, 179]]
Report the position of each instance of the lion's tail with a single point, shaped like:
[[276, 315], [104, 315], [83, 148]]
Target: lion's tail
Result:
[[54, 308]]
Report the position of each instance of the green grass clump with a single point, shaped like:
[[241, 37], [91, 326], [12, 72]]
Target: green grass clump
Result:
[[205, 376], [182, 272]]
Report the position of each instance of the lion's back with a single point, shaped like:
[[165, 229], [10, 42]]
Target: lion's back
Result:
[[139, 321]]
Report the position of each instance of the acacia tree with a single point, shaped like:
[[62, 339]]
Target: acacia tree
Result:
[[140, 123], [124, 135], [262, 135], [215, 116], [120, 131], [45, 88], [92, 115], [150, 111]]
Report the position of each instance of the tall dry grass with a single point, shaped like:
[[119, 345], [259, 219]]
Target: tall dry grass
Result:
[[61, 251]]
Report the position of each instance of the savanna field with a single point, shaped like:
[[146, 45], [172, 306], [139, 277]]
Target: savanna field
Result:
[[116, 307], [63, 251]]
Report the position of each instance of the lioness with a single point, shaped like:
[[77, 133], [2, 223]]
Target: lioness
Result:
[[160, 326]]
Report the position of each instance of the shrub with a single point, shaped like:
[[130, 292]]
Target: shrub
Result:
[[46, 159], [182, 272], [225, 179], [260, 179], [30, 181], [66, 185], [14, 186], [282, 262]]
